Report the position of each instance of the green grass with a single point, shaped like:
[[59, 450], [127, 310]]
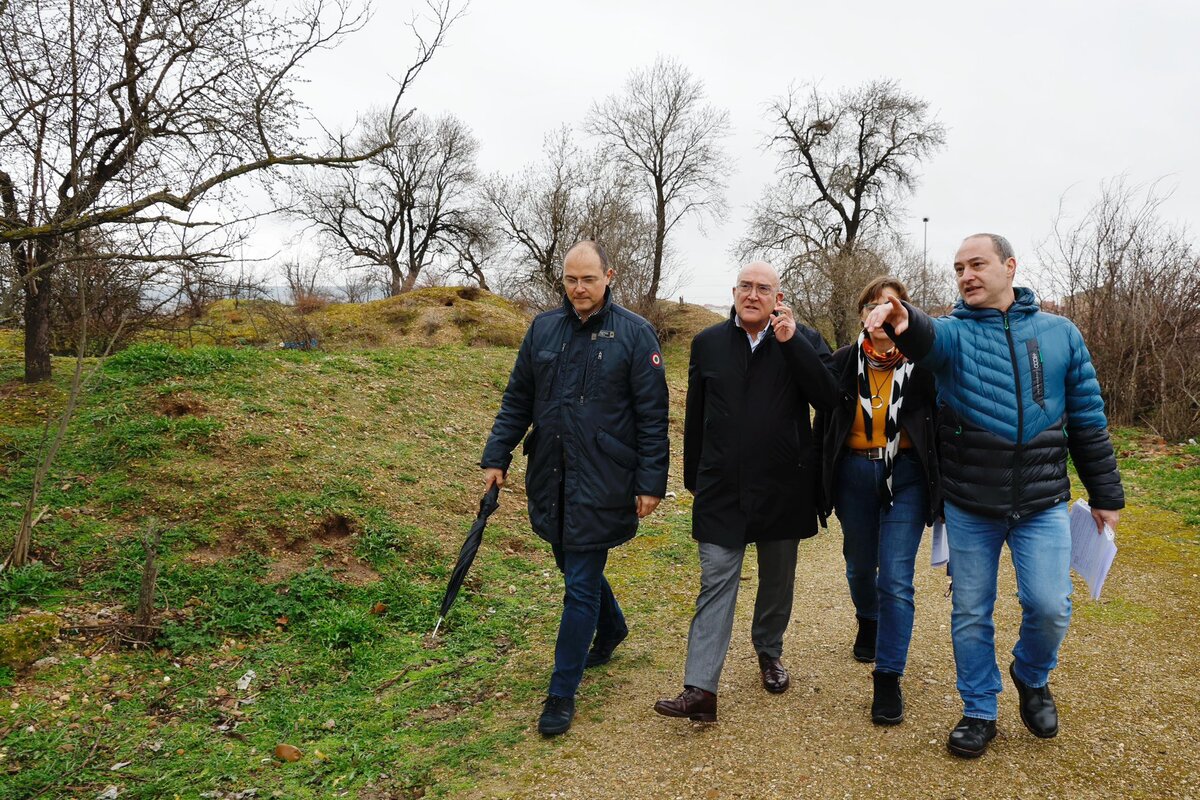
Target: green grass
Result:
[[311, 504], [1164, 476]]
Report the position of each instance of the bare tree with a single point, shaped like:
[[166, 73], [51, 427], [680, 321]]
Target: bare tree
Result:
[[474, 247], [1128, 280], [846, 163], [537, 211], [129, 115], [304, 280], [660, 129], [360, 285], [567, 196], [398, 208]]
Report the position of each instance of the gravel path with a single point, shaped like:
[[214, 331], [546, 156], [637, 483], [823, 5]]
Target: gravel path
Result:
[[1126, 689]]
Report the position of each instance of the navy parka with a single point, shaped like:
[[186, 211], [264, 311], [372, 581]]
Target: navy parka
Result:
[[595, 395]]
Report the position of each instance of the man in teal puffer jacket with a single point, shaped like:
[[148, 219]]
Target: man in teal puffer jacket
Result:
[[1016, 393]]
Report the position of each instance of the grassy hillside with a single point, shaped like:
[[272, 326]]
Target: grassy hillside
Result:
[[427, 317], [312, 504]]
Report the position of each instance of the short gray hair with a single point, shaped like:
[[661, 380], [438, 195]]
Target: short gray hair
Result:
[[1003, 247]]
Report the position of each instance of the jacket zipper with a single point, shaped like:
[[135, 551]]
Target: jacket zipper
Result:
[[587, 367], [1016, 486]]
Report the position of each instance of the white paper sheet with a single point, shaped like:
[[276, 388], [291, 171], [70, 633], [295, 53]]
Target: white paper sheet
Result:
[[1092, 553], [941, 548]]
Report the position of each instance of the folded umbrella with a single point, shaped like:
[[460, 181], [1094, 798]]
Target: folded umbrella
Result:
[[466, 556]]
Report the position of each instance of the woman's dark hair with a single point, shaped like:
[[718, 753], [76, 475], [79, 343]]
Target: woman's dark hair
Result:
[[876, 287]]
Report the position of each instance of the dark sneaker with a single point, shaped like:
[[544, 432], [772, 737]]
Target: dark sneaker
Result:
[[601, 652], [1038, 711], [864, 642], [887, 708], [557, 713], [970, 737], [695, 704]]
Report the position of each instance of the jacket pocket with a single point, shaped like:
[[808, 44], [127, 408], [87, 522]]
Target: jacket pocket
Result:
[[617, 450], [545, 366]]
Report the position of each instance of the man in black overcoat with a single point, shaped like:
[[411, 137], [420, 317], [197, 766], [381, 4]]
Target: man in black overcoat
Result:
[[589, 380], [750, 461]]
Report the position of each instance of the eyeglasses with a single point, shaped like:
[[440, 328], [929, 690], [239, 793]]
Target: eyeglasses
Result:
[[747, 288]]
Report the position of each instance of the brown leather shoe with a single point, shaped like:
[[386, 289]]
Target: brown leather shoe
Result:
[[695, 704], [775, 677]]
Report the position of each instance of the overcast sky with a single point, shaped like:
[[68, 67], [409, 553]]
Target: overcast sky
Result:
[[1039, 98]]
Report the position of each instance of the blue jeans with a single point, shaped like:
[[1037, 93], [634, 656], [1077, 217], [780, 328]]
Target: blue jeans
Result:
[[1041, 553], [880, 547], [589, 609]]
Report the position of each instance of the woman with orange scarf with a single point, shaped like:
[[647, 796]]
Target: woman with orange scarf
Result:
[[880, 477]]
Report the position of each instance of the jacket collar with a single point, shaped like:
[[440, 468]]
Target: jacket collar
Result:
[[1025, 303], [597, 316], [736, 325]]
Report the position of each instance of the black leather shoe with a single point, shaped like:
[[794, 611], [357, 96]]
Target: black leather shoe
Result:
[[775, 678], [601, 652], [970, 737], [695, 704], [864, 642], [887, 707], [557, 713], [1038, 711]]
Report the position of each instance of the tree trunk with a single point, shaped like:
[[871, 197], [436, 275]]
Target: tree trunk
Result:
[[410, 280], [143, 621], [660, 237], [37, 320]]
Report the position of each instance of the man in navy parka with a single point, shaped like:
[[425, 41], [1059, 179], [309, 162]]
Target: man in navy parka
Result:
[[589, 379], [1016, 393]]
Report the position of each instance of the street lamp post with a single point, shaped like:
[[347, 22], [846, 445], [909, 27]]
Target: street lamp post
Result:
[[924, 260]]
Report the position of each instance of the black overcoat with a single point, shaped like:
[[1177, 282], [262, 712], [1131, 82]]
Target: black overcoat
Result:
[[748, 453], [596, 398], [917, 417]]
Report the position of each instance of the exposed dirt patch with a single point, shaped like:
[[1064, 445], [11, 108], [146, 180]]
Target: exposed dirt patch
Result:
[[180, 405], [335, 527], [331, 546]]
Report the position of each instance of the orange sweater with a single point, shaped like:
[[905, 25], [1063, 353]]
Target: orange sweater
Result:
[[858, 432]]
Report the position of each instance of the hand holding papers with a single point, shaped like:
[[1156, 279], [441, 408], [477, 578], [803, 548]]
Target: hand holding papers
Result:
[[1092, 552]]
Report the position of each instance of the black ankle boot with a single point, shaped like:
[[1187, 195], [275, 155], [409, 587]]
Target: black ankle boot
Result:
[[888, 706], [970, 737], [864, 642]]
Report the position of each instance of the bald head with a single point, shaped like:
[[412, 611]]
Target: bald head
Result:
[[588, 250], [755, 295], [759, 272]]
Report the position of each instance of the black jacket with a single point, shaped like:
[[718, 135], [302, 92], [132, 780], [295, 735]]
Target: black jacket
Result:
[[596, 396], [748, 454], [917, 418]]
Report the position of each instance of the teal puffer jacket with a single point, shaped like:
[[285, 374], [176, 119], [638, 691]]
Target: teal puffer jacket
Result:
[[1017, 392]]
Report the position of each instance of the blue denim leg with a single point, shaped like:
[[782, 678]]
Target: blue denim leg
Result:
[[900, 530], [610, 624], [583, 574], [975, 542], [856, 503], [1041, 552]]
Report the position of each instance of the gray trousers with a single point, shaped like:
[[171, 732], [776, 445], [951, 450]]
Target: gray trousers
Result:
[[712, 626]]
